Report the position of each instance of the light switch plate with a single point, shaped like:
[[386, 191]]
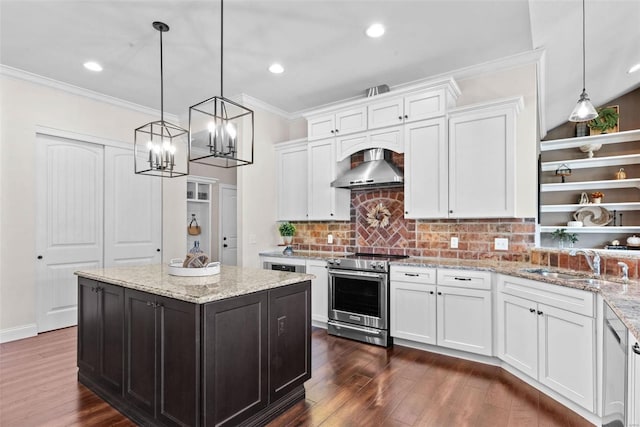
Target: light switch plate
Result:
[[501, 244], [454, 243]]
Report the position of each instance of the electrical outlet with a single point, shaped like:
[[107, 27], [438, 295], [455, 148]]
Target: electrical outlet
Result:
[[330, 239], [454, 243], [501, 244]]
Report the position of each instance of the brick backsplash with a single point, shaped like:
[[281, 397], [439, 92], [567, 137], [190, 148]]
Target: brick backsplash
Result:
[[429, 238]]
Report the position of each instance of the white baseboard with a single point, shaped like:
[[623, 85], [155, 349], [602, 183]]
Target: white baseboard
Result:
[[18, 332]]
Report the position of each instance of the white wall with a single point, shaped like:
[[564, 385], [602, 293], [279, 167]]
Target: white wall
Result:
[[257, 205], [519, 81], [26, 105]]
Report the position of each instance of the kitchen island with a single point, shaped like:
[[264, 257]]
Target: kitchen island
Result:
[[228, 349]]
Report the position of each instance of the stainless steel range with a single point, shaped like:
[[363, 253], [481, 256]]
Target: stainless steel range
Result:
[[359, 297]]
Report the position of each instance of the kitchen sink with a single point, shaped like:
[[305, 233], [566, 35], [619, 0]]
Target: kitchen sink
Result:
[[552, 274]]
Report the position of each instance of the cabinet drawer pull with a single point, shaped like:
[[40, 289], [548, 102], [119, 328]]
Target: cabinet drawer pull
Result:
[[636, 348], [411, 274], [439, 293], [465, 279]]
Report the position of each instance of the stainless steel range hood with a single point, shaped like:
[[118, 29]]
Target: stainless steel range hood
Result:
[[376, 171]]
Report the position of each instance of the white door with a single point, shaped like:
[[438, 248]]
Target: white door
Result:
[[517, 333], [228, 225], [567, 360], [464, 320], [69, 223], [132, 212], [413, 312]]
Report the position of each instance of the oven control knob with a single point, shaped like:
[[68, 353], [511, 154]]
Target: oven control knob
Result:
[[331, 261], [337, 262]]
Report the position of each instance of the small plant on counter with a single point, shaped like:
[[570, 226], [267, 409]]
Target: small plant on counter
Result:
[[287, 229], [562, 236]]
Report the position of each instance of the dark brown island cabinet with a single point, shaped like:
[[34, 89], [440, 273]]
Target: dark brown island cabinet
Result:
[[163, 361]]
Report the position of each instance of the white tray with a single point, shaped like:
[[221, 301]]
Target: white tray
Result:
[[176, 269]]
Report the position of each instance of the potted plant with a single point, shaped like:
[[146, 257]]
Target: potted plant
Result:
[[596, 197], [287, 230], [563, 237], [606, 121]]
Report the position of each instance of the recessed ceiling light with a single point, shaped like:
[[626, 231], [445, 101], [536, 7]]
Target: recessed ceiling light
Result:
[[634, 68], [375, 30], [276, 68], [93, 66]]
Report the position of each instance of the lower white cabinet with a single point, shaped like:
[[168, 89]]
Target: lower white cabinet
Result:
[[548, 343], [413, 311], [633, 389], [456, 317], [319, 292]]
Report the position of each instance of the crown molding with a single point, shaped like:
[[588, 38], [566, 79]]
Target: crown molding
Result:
[[258, 103], [17, 73]]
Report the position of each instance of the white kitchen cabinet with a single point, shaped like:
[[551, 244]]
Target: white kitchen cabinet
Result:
[[426, 191], [326, 202], [413, 304], [319, 292], [337, 123], [391, 138], [410, 108], [457, 317], [292, 181], [547, 339], [482, 158], [633, 386], [465, 310]]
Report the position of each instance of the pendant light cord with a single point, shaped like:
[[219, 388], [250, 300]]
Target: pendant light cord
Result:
[[221, 44], [161, 83], [584, 50]]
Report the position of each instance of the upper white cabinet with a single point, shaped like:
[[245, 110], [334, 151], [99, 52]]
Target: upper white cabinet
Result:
[[338, 123], [325, 201], [426, 191], [482, 158], [409, 108], [391, 138], [292, 180]]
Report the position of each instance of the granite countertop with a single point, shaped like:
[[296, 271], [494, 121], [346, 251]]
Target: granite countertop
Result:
[[623, 299], [231, 282], [306, 254]]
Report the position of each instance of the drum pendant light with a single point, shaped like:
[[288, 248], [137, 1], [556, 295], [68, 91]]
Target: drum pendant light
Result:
[[161, 148], [220, 130], [584, 110]]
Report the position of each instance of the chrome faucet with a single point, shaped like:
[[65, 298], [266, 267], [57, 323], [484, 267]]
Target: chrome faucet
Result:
[[593, 259], [625, 271]]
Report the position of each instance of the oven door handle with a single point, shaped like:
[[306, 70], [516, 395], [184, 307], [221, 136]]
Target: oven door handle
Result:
[[355, 328], [361, 274]]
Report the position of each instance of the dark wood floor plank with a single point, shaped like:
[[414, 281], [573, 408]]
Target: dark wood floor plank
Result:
[[352, 384]]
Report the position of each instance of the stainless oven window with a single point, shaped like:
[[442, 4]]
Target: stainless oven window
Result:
[[358, 294]]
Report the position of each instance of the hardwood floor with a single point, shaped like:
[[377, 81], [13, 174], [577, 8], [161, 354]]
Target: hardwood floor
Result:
[[352, 384]]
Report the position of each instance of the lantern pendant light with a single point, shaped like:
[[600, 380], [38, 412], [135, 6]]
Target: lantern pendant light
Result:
[[161, 148], [220, 130], [584, 110]]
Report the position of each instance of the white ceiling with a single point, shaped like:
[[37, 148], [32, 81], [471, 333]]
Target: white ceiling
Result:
[[321, 44]]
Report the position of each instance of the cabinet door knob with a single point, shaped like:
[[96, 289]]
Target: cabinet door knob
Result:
[[225, 245], [431, 292], [39, 256], [399, 117], [540, 313], [337, 130], [636, 348], [158, 250], [333, 131], [406, 117], [532, 310], [439, 293], [331, 214], [406, 212], [451, 211]]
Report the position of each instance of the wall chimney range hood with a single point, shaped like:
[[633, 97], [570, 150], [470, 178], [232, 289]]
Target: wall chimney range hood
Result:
[[376, 171]]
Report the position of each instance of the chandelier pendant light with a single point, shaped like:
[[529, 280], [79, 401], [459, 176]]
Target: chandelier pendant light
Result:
[[161, 148], [220, 130], [584, 110]]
